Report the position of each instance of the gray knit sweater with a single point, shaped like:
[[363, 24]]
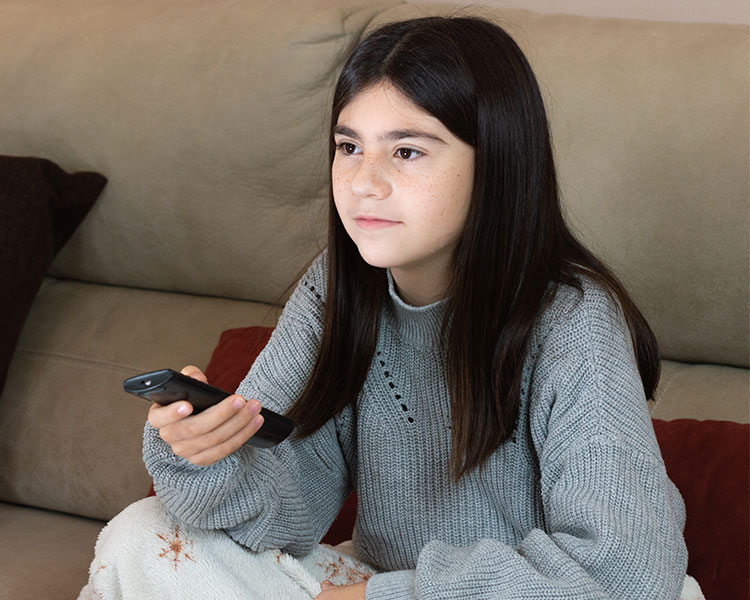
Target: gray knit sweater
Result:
[[576, 505]]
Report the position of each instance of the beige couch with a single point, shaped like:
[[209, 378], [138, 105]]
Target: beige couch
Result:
[[209, 120]]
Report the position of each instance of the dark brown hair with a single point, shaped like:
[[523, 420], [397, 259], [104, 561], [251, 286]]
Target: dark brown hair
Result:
[[514, 251]]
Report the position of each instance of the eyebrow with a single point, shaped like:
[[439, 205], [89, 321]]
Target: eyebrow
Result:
[[395, 135]]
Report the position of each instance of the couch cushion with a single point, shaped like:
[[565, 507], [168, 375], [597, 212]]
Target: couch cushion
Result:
[[44, 554], [702, 392], [73, 443], [40, 207]]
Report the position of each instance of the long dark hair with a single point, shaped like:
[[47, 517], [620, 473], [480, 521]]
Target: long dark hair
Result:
[[515, 249]]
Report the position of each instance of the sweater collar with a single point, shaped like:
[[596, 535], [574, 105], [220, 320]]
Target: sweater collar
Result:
[[416, 325]]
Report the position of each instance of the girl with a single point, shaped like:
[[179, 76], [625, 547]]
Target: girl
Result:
[[455, 355]]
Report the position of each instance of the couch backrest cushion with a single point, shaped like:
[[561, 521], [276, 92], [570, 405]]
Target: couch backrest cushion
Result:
[[209, 120]]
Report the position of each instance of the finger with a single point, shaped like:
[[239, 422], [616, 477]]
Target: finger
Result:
[[198, 441], [326, 585], [160, 416], [212, 455], [208, 420], [195, 373]]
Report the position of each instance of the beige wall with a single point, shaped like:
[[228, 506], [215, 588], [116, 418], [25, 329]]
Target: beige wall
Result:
[[710, 11]]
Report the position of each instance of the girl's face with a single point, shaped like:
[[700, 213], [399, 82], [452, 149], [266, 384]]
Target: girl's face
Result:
[[402, 184]]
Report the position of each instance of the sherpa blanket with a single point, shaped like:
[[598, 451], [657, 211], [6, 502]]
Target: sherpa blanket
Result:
[[144, 553]]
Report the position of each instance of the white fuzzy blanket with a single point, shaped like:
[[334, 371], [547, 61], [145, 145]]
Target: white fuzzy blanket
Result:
[[143, 553]]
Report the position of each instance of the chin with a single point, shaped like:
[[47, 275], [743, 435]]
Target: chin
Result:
[[381, 260]]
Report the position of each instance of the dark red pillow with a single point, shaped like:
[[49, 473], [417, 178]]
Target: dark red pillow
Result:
[[709, 462], [234, 355]]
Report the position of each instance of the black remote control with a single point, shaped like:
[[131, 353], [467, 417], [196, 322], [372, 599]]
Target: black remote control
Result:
[[167, 386]]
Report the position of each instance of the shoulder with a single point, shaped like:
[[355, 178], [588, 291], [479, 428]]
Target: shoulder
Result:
[[584, 317], [581, 375], [308, 298], [316, 277]]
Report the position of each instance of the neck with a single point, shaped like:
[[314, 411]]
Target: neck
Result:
[[419, 289], [419, 326]]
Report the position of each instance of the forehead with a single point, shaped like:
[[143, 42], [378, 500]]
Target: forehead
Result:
[[383, 106]]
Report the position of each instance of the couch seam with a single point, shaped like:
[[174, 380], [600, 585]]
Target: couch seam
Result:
[[78, 358], [664, 386]]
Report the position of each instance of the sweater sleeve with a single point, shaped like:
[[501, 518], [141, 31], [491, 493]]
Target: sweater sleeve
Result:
[[259, 496], [612, 519]]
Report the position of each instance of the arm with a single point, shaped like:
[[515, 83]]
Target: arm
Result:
[[595, 545], [257, 495], [612, 519]]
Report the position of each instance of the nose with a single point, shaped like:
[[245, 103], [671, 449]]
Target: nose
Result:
[[370, 179]]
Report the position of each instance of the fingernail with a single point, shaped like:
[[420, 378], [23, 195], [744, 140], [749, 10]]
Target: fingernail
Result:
[[258, 421], [238, 402], [254, 406], [183, 410]]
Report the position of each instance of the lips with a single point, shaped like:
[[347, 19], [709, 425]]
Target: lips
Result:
[[373, 223]]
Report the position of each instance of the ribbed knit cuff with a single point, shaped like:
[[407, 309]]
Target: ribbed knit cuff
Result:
[[396, 585], [188, 491], [272, 498]]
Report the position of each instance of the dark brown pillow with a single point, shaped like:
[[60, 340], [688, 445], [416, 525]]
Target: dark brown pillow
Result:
[[40, 207]]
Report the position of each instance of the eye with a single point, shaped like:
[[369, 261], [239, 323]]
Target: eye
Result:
[[408, 153], [347, 148]]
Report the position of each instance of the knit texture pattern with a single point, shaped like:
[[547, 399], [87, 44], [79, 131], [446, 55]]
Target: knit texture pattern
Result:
[[576, 505]]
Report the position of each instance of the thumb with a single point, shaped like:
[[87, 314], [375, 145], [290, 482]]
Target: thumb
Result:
[[326, 585], [195, 373]]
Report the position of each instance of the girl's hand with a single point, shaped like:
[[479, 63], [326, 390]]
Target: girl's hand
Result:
[[208, 437], [342, 592]]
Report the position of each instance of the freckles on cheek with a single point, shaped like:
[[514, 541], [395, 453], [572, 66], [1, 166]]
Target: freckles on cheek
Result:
[[339, 182]]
